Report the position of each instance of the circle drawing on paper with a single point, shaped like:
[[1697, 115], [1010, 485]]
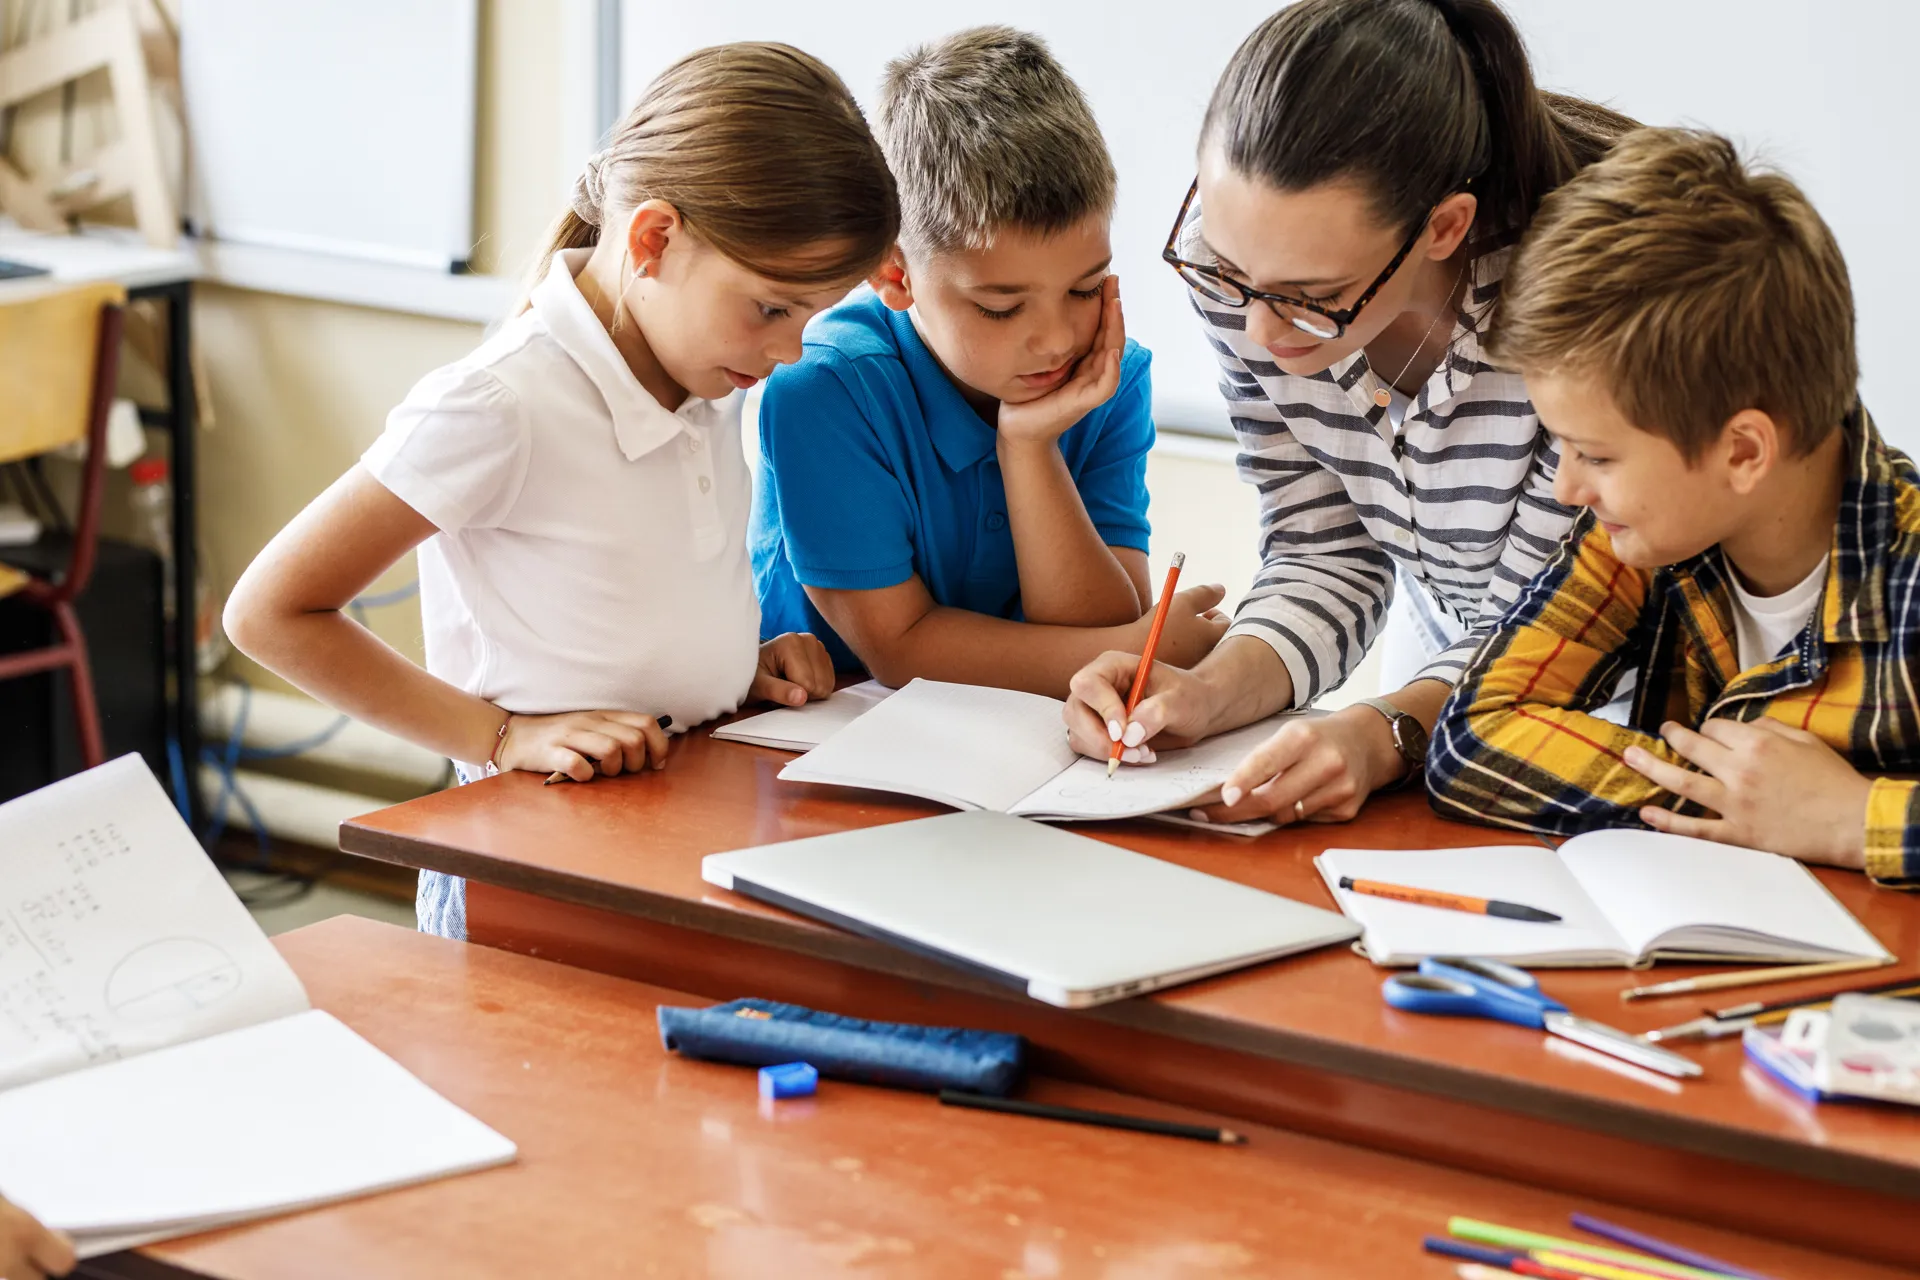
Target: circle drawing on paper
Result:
[[171, 978]]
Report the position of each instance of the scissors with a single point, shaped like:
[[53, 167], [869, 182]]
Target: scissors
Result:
[[1469, 988]]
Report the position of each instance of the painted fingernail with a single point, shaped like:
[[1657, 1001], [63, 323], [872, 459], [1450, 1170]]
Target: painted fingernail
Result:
[[1147, 756], [1131, 755], [1199, 815], [1113, 730], [1136, 734], [1230, 795]]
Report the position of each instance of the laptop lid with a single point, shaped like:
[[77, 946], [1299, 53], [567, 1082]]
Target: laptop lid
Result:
[[1069, 920]]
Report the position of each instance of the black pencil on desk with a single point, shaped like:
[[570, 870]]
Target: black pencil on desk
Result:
[[1078, 1115]]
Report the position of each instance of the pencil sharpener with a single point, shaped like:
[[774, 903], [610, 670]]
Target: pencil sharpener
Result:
[[789, 1080]]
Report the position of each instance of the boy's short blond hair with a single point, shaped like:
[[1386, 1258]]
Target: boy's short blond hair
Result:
[[985, 130], [1690, 288]]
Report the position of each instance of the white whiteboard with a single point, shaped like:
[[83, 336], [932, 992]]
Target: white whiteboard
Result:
[[1821, 85], [345, 127]]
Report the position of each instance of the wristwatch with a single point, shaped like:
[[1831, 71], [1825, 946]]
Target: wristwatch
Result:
[[1409, 739]]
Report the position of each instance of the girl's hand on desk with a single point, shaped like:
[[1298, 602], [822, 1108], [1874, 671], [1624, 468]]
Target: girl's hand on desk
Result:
[[28, 1251], [582, 743], [794, 668], [1319, 770], [1173, 710]]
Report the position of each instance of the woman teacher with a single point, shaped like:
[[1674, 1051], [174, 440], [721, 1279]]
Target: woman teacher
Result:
[[1365, 168]]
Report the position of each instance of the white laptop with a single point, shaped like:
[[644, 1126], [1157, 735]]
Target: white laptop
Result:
[[1071, 921]]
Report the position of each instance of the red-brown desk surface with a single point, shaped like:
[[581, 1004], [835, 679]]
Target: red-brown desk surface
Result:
[[634, 1162], [607, 876]]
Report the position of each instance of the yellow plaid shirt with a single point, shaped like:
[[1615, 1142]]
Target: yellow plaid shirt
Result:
[[1516, 746]]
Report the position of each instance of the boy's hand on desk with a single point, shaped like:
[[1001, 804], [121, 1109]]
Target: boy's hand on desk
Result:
[[583, 743], [28, 1251], [1774, 787], [794, 668], [1094, 380]]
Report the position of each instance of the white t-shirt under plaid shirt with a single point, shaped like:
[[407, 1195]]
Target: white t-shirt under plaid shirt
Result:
[[1457, 504]]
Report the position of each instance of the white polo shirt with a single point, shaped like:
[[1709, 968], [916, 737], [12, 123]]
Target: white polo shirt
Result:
[[592, 547]]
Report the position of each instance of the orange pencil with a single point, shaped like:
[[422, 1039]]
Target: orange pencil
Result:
[[1146, 656], [1450, 901]]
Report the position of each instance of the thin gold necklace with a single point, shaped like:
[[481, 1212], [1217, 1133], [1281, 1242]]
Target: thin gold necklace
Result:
[[1383, 396]]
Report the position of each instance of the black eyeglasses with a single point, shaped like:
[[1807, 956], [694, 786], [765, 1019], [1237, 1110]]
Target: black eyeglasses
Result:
[[1303, 313]]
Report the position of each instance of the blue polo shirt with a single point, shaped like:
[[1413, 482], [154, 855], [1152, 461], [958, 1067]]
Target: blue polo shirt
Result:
[[873, 469]]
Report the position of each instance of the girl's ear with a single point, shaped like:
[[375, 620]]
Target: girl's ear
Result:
[[1451, 220], [652, 228], [891, 282]]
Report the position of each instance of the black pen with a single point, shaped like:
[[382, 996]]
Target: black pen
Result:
[[1077, 1115]]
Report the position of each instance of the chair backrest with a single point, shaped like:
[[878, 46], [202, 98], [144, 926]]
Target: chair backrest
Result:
[[49, 354]]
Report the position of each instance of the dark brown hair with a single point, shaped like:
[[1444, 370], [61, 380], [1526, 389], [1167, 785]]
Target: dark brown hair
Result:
[[1410, 98], [1690, 288], [764, 154]]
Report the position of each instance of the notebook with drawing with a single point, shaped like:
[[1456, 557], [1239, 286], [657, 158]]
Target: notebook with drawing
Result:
[[806, 727], [1626, 897], [974, 747], [146, 1024]]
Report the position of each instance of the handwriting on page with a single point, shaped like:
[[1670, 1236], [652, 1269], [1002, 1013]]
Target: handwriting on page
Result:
[[37, 928]]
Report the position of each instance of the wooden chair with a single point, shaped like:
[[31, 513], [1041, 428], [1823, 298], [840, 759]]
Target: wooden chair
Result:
[[59, 357]]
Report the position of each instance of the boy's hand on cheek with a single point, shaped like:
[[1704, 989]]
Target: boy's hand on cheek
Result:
[[794, 669], [1091, 384], [1775, 788]]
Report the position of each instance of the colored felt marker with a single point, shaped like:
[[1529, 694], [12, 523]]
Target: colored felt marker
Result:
[[1449, 901], [1659, 1248]]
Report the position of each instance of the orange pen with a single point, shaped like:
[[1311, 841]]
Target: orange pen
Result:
[[1450, 901], [1146, 656]]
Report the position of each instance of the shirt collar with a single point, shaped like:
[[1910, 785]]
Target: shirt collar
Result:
[[1853, 606], [640, 424], [960, 435]]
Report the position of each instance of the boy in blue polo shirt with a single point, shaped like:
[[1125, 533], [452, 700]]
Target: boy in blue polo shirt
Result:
[[953, 476]]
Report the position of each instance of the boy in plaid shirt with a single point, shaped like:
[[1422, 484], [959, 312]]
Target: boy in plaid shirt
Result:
[[1750, 546]]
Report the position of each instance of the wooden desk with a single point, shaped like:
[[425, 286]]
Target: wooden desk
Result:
[[606, 876], [638, 1163], [166, 275]]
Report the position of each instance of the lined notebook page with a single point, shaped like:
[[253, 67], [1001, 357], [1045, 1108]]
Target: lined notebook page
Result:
[[1651, 884], [117, 935], [958, 744], [1403, 933], [292, 1113]]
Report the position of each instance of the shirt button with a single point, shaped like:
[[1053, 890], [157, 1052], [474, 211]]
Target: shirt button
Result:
[[706, 485], [996, 521], [693, 444]]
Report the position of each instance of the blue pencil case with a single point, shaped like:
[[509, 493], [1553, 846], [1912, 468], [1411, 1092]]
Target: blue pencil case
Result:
[[764, 1033]]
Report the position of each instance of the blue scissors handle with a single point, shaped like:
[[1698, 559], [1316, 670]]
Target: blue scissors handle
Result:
[[1472, 988], [1429, 993]]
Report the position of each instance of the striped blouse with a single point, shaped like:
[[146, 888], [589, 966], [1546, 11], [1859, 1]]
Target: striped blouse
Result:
[[1459, 503]]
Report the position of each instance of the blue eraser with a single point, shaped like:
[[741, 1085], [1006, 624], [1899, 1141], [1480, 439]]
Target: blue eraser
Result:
[[789, 1080]]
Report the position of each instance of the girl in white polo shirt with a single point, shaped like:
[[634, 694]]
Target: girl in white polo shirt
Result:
[[576, 486]]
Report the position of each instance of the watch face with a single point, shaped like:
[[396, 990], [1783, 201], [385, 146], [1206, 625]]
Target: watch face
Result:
[[1411, 737]]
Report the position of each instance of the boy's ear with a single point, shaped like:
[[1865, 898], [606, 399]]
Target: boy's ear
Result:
[[1751, 445], [651, 228], [891, 281]]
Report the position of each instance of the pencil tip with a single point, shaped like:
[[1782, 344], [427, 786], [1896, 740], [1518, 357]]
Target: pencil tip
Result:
[[1111, 766], [1232, 1139]]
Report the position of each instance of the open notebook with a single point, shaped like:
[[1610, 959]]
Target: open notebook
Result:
[[1626, 897], [147, 1026], [973, 747], [806, 727]]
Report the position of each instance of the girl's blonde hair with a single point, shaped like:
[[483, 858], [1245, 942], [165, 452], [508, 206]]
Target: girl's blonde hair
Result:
[[765, 155]]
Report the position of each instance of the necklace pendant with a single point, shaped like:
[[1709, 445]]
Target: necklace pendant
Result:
[[1383, 397]]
